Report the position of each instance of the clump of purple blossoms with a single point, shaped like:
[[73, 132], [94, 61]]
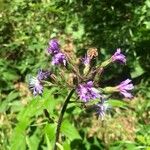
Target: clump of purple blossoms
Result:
[[35, 86], [35, 82], [85, 81], [57, 56], [54, 47], [86, 91], [101, 109], [43, 74], [118, 56], [124, 87]]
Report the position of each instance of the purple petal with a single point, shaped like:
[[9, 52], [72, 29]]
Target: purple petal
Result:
[[129, 87], [53, 47], [35, 86], [125, 82], [124, 88], [90, 83], [59, 58], [118, 56], [43, 74], [86, 91], [126, 94], [101, 109], [86, 60]]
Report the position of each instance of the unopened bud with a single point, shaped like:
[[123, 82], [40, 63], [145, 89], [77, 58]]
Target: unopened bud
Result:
[[110, 89], [72, 79], [92, 53], [86, 69]]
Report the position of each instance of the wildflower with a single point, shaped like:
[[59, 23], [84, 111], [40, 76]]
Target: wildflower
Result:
[[42, 74], [53, 47], [124, 87], [118, 56], [87, 92], [35, 86], [101, 109], [59, 58]]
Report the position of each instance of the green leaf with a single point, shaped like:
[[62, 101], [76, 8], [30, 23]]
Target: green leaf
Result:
[[117, 103], [4, 105], [69, 130], [10, 76], [49, 130], [49, 146], [141, 139], [34, 108], [12, 95], [18, 138], [66, 145], [33, 141]]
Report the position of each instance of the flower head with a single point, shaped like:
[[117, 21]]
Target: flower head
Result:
[[124, 87], [87, 92], [42, 74], [118, 56], [53, 47], [59, 58], [35, 86], [101, 109]]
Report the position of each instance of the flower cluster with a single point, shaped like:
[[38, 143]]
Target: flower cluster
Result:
[[35, 83], [85, 80], [54, 50], [86, 91]]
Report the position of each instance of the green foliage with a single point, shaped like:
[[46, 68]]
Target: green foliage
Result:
[[25, 28], [69, 130]]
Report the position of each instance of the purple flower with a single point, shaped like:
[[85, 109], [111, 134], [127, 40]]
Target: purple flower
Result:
[[42, 74], [53, 47], [101, 109], [124, 87], [87, 92], [35, 86], [118, 56], [86, 60], [59, 58]]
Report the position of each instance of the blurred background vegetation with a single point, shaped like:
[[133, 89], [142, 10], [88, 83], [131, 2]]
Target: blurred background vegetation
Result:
[[25, 29]]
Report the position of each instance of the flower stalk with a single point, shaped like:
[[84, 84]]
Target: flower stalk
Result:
[[61, 118], [83, 77]]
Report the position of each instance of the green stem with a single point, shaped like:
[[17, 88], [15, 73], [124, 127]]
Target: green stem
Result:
[[61, 118]]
